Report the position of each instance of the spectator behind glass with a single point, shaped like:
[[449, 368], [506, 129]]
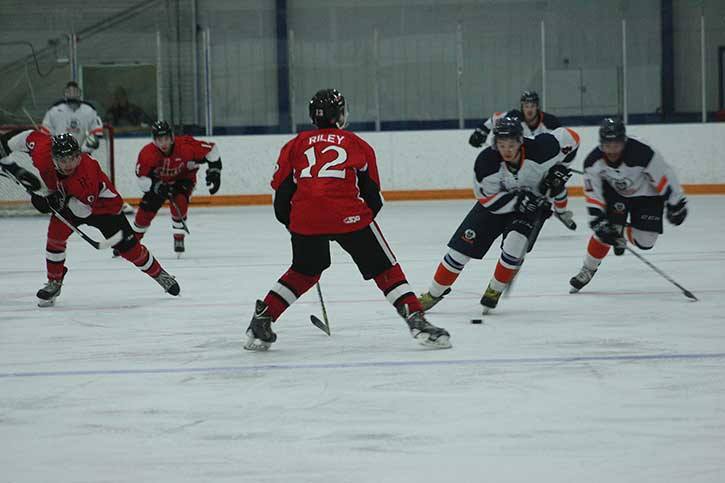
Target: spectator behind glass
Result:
[[123, 114]]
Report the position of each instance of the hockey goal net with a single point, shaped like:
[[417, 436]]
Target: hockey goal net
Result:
[[13, 198]]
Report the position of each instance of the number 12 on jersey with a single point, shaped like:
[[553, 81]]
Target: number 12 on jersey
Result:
[[327, 170]]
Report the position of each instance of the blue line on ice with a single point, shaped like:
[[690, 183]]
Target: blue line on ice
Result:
[[364, 364]]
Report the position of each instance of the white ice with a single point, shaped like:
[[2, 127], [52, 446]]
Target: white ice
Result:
[[119, 382]]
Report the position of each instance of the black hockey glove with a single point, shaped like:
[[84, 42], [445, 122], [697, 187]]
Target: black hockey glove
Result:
[[677, 213], [40, 203], [555, 180], [478, 138], [161, 189], [56, 201], [214, 175], [182, 186], [606, 232], [530, 205]]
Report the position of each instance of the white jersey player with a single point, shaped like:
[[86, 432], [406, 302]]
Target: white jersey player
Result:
[[513, 181], [75, 116], [534, 121], [626, 179]]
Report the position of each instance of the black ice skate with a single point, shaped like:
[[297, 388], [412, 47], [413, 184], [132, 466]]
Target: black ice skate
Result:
[[259, 334], [168, 282], [423, 331], [179, 247], [50, 291], [582, 278]]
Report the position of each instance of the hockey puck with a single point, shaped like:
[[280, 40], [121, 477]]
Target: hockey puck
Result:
[[476, 321]]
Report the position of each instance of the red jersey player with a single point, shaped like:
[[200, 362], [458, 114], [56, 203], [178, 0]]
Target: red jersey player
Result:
[[83, 194], [327, 189], [166, 170]]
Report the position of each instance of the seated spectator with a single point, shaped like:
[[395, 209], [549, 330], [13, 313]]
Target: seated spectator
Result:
[[124, 114]]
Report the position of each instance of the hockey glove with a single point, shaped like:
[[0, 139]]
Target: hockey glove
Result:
[[555, 180], [606, 232], [677, 213], [40, 203], [530, 205], [161, 189], [91, 143], [478, 138], [183, 186], [214, 175], [56, 200]]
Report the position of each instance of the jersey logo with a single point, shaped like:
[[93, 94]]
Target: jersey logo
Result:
[[622, 184], [620, 207], [469, 235], [91, 199], [31, 145], [351, 219], [74, 123]]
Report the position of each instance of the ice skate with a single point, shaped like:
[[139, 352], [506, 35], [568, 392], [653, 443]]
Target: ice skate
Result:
[[581, 279], [179, 246], [567, 218], [50, 291], [490, 299], [428, 301], [168, 282], [259, 333], [424, 332]]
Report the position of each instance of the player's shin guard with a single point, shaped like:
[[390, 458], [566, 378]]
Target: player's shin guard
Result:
[[397, 291], [290, 286], [141, 222], [55, 258], [596, 251]]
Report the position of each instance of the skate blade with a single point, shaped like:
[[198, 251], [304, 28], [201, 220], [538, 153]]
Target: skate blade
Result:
[[574, 290], [486, 310], [254, 344], [46, 303], [178, 255], [442, 342]]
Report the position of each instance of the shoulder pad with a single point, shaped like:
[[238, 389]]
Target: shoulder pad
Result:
[[594, 156], [542, 148], [551, 121], [57, 103], [487, 163], [637, 153], [89, 105]]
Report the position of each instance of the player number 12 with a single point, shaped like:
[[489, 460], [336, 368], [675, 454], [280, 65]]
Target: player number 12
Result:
[[326, 171]]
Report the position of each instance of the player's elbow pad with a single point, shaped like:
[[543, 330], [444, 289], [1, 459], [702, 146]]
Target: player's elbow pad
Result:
[[370, 192], [214, 165], [144, 182]]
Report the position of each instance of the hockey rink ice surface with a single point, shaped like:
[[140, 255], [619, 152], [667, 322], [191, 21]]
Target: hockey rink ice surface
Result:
[[624, 382]]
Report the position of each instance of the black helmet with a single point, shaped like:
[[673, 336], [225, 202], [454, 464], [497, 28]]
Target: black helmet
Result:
[[508, 127], [64, 145], [161, 128], [612, 129], [66, 153], [530, 96], [327, 109]]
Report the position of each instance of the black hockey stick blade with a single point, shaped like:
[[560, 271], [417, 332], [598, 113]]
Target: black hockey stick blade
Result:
[[651, 265], [320, 324]]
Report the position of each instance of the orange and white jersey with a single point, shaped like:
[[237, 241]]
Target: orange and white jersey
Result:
[[642, 172]]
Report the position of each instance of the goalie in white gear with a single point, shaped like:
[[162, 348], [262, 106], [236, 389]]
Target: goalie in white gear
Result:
[[75, 116]]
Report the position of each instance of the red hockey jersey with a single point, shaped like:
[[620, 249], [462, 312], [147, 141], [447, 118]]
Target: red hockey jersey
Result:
[[183, 162], [327, 167], [88, 190]]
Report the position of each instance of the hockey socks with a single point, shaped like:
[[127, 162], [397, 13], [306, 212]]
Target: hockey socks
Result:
[[396, 289], [596, 251], [143, 259], [290, 286], [447, 272]]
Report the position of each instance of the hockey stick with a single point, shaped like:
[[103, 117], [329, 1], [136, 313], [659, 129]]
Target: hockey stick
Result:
[[176, 207], [323, 326], [98, 245], [686, 292]]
